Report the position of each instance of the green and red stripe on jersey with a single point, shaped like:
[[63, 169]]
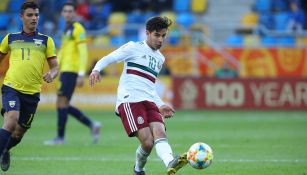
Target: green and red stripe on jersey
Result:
[[147, 73]]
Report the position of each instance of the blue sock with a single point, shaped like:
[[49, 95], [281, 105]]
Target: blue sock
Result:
[[4, 138], [75, 112], [62, 119]]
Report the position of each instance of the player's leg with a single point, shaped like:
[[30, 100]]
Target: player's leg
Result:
[[82, 118], [10, 112], [133, 116], [68, 83], [163, 148]]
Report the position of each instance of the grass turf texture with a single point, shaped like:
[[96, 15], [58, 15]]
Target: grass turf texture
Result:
[[243, 142]]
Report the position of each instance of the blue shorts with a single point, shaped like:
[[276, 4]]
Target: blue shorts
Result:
[[68, 84], [26, 104]]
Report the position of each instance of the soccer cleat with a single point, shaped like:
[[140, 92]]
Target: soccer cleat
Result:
[[177, 163], [56, 141], [96, 131], [138, 173], [5, 160]]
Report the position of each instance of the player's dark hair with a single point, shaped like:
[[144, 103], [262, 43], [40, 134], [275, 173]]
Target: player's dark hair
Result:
[[69, 3], [27, 5], [158, 23]]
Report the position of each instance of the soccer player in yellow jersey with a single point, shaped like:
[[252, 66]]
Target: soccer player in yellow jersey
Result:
[[72, 61], [29, 50]]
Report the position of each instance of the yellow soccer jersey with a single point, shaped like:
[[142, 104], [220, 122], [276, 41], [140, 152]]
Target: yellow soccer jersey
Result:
[[71, 57], [28, 54]]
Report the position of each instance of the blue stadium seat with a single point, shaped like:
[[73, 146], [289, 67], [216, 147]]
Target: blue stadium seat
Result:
[[135, 18], [4, 21], [185, 19], [181, 5], [235, 41], [286, 41], [117, 41], [14, 5], [281, 21], [281, 5], [269, 41], [263, 5], [266, 19]]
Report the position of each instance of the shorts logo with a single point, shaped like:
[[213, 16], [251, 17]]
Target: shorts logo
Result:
[[140, 120], [12, 103]]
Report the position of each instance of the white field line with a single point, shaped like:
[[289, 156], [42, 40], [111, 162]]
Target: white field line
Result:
[[153, 159]]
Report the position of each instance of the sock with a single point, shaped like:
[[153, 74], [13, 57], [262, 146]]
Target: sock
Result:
[[12, 142], [62, 119], [4, 139], [164, 150], [140, 159], [75, 112]]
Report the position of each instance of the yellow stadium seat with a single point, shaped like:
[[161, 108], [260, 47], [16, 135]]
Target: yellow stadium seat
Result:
[[249, 20], [198, 6], [251, 41], [3, 5], [170, 15], [116, 22]]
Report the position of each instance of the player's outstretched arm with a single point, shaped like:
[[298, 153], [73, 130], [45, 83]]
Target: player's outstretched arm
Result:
[[94, 77], [54, 70]]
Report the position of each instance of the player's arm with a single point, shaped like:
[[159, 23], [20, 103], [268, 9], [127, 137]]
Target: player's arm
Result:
[[116, 56], [4, 48], [52, 62], [166, 110], [82, 47], [53, 70]]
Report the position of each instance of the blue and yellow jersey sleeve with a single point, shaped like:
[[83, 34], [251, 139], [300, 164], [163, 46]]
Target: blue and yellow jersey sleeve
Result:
[[28, 55], [4, 48], [73, 53]]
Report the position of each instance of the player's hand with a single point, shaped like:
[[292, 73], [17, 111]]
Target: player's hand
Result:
[[80, 81], [94, 77], [167, 111], [47, 77]]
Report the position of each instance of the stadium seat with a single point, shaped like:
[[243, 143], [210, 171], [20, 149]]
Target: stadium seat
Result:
[[269, 41], [235, 41], [281, 21], [14, 5], [250, 20], [263, 6], [4, 21], [251, 41], [185, 19], [280, 5], [135, 17], [181, 5], [169, 14], [117, 41], [3, 5], [266, 20], [286, 41], [116, 21], [198, 6]]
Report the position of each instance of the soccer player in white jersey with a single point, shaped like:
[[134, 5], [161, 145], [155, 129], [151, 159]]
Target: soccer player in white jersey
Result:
[[140, 108]]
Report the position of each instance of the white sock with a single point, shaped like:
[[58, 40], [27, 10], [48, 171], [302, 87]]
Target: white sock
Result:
[[140, 159], [164, 150]]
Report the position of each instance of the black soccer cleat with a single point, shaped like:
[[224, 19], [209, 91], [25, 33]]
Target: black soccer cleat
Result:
[[177, 163], [5, 160], [138, 173]]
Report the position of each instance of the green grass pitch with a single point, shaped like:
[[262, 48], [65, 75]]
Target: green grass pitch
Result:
[[243, 142]]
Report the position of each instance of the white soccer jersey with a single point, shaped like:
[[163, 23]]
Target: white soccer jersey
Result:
[[141, 68]]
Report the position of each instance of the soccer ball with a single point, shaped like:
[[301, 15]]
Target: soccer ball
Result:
[[200, 155]]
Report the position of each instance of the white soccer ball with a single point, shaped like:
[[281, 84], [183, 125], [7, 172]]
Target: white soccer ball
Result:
[[200, 155]]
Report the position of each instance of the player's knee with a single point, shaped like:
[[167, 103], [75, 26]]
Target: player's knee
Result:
[[148, 145], [10, 121], [18, 134], [62, 102]]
